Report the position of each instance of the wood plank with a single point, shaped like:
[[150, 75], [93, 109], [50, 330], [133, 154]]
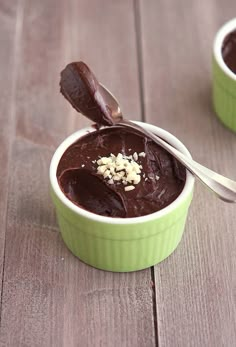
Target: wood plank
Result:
[[43, 113], [50, 298], [108, 45], [9, 38], [195, 287]]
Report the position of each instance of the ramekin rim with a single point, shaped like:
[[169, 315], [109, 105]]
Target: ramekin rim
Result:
[[188, 187], [227, 28]]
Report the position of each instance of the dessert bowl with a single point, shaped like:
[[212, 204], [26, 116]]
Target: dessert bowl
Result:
[[224, 80], [121, 244]]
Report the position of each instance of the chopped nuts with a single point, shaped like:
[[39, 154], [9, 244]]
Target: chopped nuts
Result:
[[128, 169], [137, 179], [142, 154], [116, 178], [106, 160], [137, 169], [122, 168], [135, 156], [102, 169], [106, 173], [131, 176], [128, 188]]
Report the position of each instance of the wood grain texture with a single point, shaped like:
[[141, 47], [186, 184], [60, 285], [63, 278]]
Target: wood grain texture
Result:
[[49, 297], [9, 39], [196, 286]]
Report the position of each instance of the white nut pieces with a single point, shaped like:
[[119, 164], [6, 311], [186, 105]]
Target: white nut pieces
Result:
[[121, 168]]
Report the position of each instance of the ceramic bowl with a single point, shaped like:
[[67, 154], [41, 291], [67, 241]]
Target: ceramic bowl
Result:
[[121, 244]]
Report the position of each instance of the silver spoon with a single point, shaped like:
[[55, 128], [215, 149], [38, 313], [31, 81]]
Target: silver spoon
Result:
[[223, 187]]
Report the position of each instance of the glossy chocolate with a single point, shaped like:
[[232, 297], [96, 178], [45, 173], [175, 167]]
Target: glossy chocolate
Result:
[[229, 51], [78, 178], [80, 87]]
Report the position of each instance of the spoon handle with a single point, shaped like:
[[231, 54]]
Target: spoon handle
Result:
[[223, 187]]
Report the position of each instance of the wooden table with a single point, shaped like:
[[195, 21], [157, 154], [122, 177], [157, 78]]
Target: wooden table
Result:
[[155, 55]]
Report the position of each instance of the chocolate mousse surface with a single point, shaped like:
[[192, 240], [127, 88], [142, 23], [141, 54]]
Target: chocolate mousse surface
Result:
[[162, 177], [229, 51]]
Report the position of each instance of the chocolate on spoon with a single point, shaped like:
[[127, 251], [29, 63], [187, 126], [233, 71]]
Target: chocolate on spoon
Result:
[[81, 88]]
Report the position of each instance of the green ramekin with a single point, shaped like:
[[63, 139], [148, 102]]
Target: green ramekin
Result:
[[121, 244], [224, 80]]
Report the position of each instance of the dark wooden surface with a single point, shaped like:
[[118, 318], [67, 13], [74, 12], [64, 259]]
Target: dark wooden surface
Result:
[[155, 55]]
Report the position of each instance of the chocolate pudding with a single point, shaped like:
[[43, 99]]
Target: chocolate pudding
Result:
[[114, 171], [229, 51], [156, 178]]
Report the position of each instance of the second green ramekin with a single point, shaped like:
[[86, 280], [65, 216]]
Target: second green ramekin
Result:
[[121, 244], [224, 81]]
